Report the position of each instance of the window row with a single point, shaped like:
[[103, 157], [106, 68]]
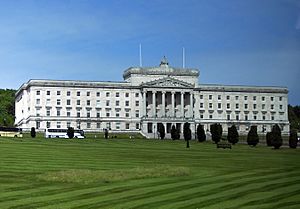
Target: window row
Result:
[[238, 117], [246, 98], [87, 93], [237, 106], [87, 102]]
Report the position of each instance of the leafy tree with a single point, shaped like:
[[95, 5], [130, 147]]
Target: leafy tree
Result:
[[175, 133], [294, 117], [216, 132], [201, 133], [32, 132], [293, 139], [70, 132], [161, 130], [269, 139], [233, 135], [187, 134], [252, 138], [276, 140], [7, 107]]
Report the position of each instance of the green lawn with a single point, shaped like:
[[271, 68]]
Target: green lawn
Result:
[[140, 173]]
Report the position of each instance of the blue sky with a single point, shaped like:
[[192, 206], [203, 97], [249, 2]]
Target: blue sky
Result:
[[242, 42]]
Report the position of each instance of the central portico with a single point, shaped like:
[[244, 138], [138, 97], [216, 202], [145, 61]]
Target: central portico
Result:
[[167, 95]]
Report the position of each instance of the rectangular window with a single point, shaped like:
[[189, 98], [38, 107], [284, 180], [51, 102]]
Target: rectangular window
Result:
[[68, 102], [127, 114], [263, 106], [88, 93], [98, 125], [210, 105], [228, 105], [38, 92], [68, 114], [255, 117], [272, 117], [78, 114], [38, 101], [272, 107], [280, 99], [48, 93], [88, 114], [210, 116], [246, 117], [254, 98], [98, 94], [58, 93], [98, 114], [219, 105], [245, 97], [263, 98], [236, 97], [137, 94], [58, 102], [88, 102], [48, 124], [280, 107], [68, 124], [137, 114], [201, 96], [68, 93], [117, 113], [264, 117], [219, 97], [201, 105], [58, 112], [254, 106], [48, 112], [78, 93], [137, 126], [107, 114], [118, 125], [237, 106], [137, 103], [272, 99], [228, 97], [127, 103], [88, 125], [210, 97], [237, 117], [126, 94], [127, 126], [48, 102], [98, 103], [107, 102], [117, 94], [246, 106], [107, 94], [228, 117], [201, 116], [78, 102], [58, 125]]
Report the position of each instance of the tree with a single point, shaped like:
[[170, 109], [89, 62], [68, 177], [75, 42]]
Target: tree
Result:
[[7, 107], [293, 139], [32, 132], [161, 130], [216, 132], [187, 134], [276, 140], [233, 135], [175, 133], [201, 133], [70, 132], [269, 139], [252, 138]]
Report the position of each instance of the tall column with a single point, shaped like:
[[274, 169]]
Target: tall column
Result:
[[154, 103], [144, 104], [182, 104], [191, 104], [163, 101], [173, 103]]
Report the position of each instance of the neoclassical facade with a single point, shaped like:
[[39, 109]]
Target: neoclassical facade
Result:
[[146, 97]]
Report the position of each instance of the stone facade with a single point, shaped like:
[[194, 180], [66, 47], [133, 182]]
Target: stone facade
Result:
[[149, 96]]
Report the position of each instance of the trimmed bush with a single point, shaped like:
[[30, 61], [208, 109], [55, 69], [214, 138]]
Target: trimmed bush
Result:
[[293, 139], [32, 132], [201, 133], [187, 134], [276, 139], [175, 133], [252, 138], [233, 135], [216, 132], [161, 131], [70, 132]]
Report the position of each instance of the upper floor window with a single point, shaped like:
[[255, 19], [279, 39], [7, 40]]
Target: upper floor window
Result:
[[228, 97], [78, 93], [272, 99], [280, 99], [137, 103], [68, 102], [88, 102], [48, 93], [210, 105], [254, 98], [58, 93], [107, 94], [117, 94], [245, 97], [38, 101], [98, 94], [88, 93], [38, 92], [236, 97], [68, 93], [210, 97], [262, 98], [201, 96], [219, 97], [126, 94], [58, 102], [137, 94], [126, 103], [219, 105]]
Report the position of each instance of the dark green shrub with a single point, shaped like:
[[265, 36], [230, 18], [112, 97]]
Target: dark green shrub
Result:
[[70, 132], [201, 133], [233, 135], [175, 133], [161, 130], [276, 139], [32, 132], [187, 133], [252, 138], [293, 139], [216, 132]]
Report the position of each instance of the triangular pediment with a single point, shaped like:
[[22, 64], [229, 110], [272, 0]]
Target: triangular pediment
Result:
[[168, 82]]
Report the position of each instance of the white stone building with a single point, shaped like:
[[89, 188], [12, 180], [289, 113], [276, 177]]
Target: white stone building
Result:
[[146, 97]]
